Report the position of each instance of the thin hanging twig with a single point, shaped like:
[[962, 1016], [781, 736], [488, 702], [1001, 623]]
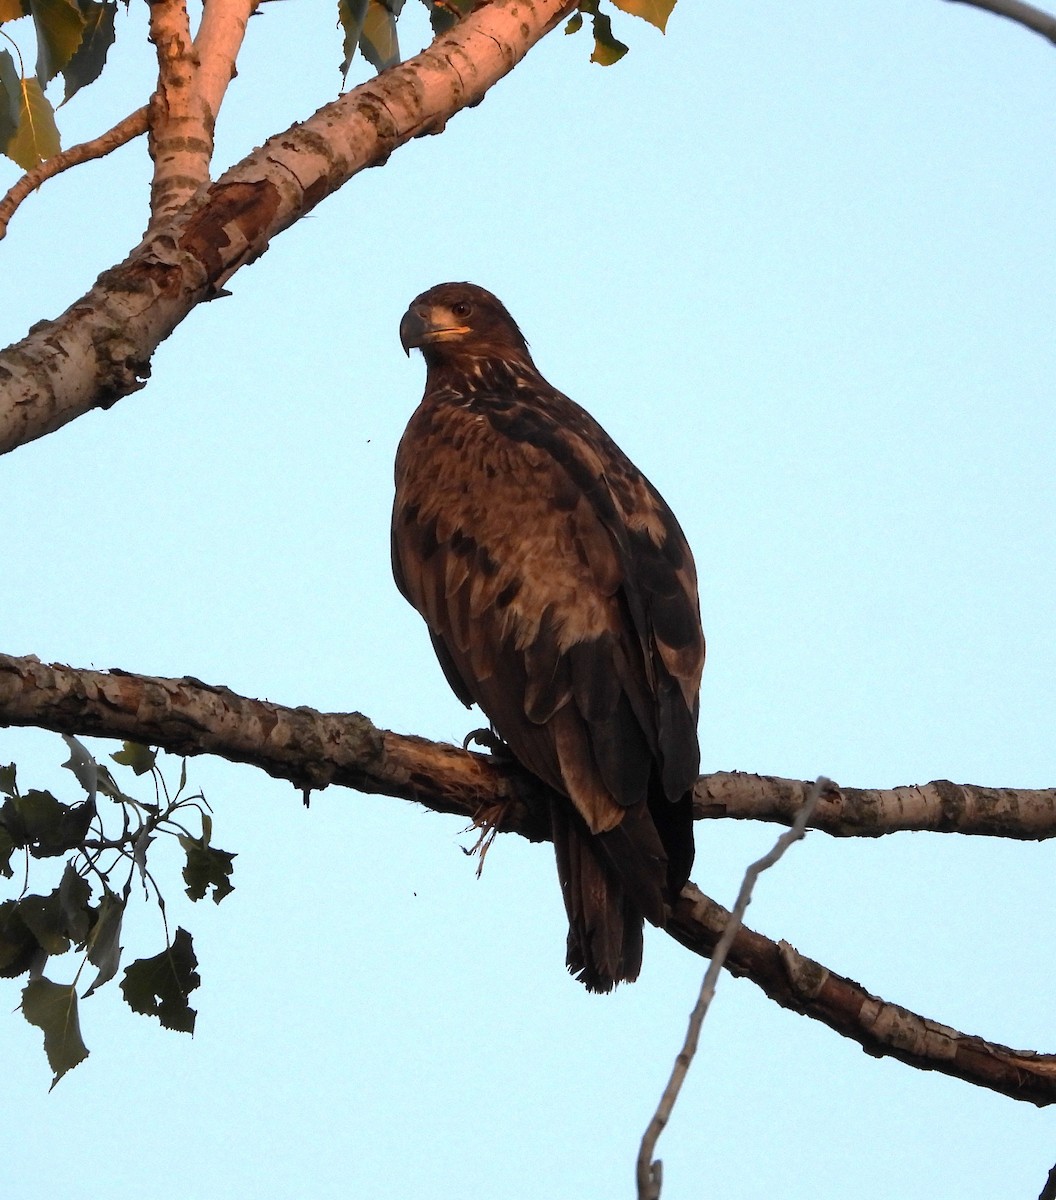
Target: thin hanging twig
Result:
[[650, 1171]]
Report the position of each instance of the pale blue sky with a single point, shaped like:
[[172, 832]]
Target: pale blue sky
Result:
[[799, 260]]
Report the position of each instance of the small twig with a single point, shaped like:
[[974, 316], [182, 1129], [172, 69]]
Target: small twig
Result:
[[1022, 14], [124, 131], [649, 1170]]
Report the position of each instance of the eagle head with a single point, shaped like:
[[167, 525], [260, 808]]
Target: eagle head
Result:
[[452, 320]]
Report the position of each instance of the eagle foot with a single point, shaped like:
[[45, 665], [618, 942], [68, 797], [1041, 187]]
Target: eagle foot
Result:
[[490, 740]]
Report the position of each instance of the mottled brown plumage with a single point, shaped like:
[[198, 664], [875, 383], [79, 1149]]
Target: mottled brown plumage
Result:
[[561, 597]]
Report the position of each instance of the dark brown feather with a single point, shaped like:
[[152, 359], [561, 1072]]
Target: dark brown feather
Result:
[[560, 596]]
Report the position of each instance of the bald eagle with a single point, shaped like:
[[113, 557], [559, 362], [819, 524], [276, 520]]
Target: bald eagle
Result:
[[561, 597]]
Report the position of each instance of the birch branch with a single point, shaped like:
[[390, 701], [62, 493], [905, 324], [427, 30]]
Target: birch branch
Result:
[[882, 1029], [218, 42], [940, 806], [100, 349], [314, 749], [180, 135]]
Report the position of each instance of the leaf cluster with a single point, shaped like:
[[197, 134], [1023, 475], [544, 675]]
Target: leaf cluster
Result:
[[106, 840], [608, 48], [370, 26], [73, 38]]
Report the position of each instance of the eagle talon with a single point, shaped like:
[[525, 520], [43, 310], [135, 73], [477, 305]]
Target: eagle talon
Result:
[[488, 820], [491, 742]]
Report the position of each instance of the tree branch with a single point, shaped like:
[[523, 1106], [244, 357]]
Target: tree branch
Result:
[[306, 747], [649, 1173], [218, 41], [1023, 14], [314, 749], [124, 131], [939, 807], [880, 1028], [181, 132], [99, 350]]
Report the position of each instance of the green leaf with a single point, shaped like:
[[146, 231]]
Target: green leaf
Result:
[[607, 49], [48, 827], [104, 951], [37, 136], [29, 817], [377, 39], [75, 903], [206, 867], [656, 12], [7, 848], [350, 14], [159, 986], [87, 63], [575, 23], [43, 918], [140, 758], [53, 1008], [18, 947], [139, 852], [60, 27]]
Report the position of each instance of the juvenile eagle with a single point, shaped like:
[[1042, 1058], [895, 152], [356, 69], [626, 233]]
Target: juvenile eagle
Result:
[[561, 597]]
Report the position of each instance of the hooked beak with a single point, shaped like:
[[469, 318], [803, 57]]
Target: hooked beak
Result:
[[421, 326]]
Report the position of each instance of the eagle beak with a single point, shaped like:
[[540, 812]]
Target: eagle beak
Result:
[[414, 330], [422, 326]]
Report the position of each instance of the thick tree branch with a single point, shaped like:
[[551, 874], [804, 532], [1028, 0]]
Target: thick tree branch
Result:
[[181, 135], [1023, 14], [99, 350], [308, 748], [314, 749], [880, 1028]]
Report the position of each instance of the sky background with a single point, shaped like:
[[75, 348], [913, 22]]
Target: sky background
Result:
[[799, 261]]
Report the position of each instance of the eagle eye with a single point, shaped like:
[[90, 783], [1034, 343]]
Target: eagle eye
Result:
[[462, 309]]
